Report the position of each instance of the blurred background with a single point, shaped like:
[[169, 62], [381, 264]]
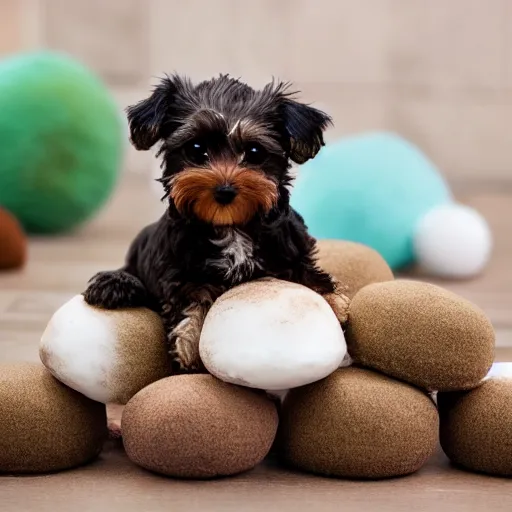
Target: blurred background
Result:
[[438, 73]]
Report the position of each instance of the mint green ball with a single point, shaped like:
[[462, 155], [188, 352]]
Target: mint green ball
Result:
[[62, 141], [372, 189]]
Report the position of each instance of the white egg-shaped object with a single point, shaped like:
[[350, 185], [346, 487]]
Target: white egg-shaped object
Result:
[[273, 335], [453, 241], [107, 355]]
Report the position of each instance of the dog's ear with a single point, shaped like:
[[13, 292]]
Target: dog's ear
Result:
[[149, 119], [305, 126]]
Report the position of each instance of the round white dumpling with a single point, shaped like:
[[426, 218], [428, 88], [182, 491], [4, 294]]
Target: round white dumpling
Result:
[[453, 241], [272, 335], [107, 355]]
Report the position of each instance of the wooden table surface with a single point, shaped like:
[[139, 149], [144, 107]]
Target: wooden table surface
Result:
[[58, 268]]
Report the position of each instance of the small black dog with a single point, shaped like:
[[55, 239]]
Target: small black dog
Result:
[[227, 151]]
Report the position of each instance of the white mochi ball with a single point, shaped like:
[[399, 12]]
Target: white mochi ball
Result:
[[107, 355], [453, 241], [272, 335]]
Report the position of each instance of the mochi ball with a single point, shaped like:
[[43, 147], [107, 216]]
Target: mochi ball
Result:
[[108, 355], [196, 426], [476, 425], [422, 334], [13, 242], [452, 240], [358, 424], [44, 425], [353, 265], [271, 334]]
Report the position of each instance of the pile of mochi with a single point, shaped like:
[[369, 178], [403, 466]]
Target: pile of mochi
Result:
[[368, 398]]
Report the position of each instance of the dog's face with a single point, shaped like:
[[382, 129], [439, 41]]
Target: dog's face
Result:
[[226, 147]]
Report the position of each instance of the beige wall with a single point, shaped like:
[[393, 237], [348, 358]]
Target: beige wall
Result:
[[437, 71]]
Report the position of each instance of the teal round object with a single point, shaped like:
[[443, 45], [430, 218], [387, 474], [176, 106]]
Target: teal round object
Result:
[[372, 189], [61, 142]]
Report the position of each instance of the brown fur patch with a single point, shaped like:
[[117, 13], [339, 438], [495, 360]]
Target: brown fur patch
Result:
[[184, 338], [193, 189], [339, 304], [187, 334]]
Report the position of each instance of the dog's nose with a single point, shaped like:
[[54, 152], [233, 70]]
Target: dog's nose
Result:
[[224, 194]]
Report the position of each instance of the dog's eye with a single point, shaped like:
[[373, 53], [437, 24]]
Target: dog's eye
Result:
[[254, 154], [196, 151]]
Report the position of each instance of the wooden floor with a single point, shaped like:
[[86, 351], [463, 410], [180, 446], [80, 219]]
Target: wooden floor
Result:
[[59, 268]]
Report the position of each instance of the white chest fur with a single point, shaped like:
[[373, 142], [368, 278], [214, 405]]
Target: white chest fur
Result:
[[236, 256]]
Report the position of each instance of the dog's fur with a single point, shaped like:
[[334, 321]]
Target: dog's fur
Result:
[[220, 135]]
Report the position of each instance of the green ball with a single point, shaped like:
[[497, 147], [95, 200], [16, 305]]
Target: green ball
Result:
[[62, 139]]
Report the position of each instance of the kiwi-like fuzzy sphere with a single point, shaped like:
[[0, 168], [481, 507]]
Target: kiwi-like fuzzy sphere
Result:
[[358, 424], [44, 425], [196, 426], [476, 427], [353, 265], [422, 334]]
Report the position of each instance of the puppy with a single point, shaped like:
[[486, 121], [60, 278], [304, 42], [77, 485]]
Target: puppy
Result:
[[226, 155]]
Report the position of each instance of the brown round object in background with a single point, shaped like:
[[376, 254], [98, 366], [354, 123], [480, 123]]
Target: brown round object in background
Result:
[[358, 424], [44, 425], [422, 334], [354, 265], [476, 427], [196, 426], [13, 242]]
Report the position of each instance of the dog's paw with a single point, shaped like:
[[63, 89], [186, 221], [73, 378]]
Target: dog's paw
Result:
[[115, 290], [185, 345], [339, 304], [185, 359]]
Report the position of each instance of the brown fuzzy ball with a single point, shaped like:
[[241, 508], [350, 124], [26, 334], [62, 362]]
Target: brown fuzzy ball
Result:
[[358, 424], [476, 427], [196, 426], [44, 425], [13, 242], [353, 265], [422, 334]]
